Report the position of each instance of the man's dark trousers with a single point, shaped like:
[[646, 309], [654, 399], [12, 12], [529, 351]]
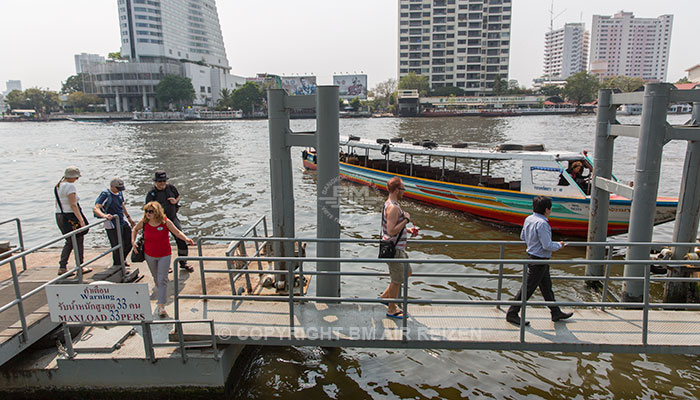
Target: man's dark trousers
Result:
[[537, 275], [181, 244], [114, 241]]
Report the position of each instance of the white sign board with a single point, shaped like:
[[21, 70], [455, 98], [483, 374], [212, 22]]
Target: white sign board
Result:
[[99, 302]]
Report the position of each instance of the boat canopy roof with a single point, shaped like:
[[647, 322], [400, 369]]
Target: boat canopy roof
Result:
[[483, 154]]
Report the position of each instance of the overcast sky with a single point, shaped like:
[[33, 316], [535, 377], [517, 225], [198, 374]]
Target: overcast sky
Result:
[[320, 37]]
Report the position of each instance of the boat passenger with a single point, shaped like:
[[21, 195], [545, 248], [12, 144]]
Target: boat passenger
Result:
[[70, 217], [576, 171], [109, 203], [156, 245]]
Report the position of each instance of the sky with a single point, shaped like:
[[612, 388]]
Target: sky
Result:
[[300, 37]]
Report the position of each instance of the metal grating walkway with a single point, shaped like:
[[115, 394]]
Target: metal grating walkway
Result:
[[443, 327]]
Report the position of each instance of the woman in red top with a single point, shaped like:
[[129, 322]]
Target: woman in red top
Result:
[[156, 228]]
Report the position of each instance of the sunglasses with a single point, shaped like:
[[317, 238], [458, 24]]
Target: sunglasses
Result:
[[149, 211]]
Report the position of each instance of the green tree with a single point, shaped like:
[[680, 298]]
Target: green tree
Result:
[[224, 102], [382, 94], [412, 81], [683, 80], [581, 88], [355, 103], [448, 91], [116, 55], [42, 101], [550, 90], [624, 83], [341, 103], [174, 89], [17, 100], [80, 101], [500, 85], [247, 97], [74, 83]]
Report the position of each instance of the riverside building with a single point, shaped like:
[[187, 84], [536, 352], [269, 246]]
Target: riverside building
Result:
[[161, 37], [625, 45], [565, 51], [459, 43]]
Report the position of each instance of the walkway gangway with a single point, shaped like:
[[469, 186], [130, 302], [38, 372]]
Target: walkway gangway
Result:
[[24, 313], [597, 326]]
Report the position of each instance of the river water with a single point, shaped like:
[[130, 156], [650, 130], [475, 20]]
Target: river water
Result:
[[221, 170]]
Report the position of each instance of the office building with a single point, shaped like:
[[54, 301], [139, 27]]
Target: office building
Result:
[[565, 51], [13, 85], [459, 43], [629, 46], [161, 37], [84, 60]]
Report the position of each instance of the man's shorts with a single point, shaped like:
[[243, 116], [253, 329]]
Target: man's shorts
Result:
[[396, 268]]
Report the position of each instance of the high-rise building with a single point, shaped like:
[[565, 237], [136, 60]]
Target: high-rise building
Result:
[[565, 51], [13, 85], [625, 45], [176, 29], [164, 37], [459, 43]]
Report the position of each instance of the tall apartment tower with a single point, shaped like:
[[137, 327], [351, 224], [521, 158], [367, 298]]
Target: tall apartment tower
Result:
[[636, 47], [460, 43], [175, 29], [565, 51]]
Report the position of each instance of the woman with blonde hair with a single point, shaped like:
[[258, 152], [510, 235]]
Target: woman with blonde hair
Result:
[[156, 245]]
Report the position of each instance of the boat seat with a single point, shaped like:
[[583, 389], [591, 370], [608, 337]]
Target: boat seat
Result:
[[514, 185]]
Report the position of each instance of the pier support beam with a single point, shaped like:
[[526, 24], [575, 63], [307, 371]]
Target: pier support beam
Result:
[[327, 185], [600, 199], [646, 183], [281, 181], [687, 216]]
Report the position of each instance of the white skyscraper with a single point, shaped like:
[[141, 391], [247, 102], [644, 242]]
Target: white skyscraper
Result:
[[176, 29], [565, 51], [459, 43], [625, 45], [84, 60]]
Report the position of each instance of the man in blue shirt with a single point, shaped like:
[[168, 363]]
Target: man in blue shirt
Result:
[[109, 203], [537, 235]]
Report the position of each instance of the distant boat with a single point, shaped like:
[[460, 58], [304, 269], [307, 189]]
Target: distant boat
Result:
[[478, 193]]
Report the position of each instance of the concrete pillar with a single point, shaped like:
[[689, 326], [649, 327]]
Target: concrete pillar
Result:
[[646, 183], [118, 100], [125, 107], [687, 217], [282, 188], [144, 100], [327, 185], [107, 108], [152, 103], [600, 199]]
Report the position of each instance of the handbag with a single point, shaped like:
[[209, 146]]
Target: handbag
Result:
[[69, 220], [387, 248], [140, 256]]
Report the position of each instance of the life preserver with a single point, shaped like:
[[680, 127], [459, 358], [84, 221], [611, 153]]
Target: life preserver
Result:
[[385, 149]]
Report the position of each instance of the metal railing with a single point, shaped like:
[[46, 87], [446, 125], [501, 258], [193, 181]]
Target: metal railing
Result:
[[77, 270], [148, 344], [20, 241], [238, 244], [645, 306]]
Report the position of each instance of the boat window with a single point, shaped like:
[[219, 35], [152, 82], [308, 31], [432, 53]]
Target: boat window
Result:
[[545, 176]]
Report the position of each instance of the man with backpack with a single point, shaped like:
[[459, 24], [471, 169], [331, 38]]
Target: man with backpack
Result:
[[169, 198], [109, 203]]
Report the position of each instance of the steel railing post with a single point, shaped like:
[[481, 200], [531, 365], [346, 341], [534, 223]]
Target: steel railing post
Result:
[[201, 266], [300, 273], [118, 226], [148, 341], [244, 253], [21, 243], [607, 277], [290, 288], [213, 340], [523, 303], [502, 254], [176, 290], [404, 320], [76, 255], [645, 319], [69, 341], [181, 340], [20, 305]]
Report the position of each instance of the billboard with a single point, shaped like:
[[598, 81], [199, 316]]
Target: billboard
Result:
[[351, 86], [299, 85]]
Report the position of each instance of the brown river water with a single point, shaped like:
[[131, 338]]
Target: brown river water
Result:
[[221, 170]]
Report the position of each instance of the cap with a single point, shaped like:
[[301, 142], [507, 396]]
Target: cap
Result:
[[71, 172], [160, 176], [117, 183]]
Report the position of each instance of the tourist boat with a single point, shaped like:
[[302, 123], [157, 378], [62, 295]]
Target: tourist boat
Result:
[[464, 179]]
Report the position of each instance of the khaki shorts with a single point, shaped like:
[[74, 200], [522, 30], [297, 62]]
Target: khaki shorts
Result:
[[396, 268]]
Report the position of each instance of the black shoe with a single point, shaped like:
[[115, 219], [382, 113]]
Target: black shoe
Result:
[[561, 315], [515, 320]]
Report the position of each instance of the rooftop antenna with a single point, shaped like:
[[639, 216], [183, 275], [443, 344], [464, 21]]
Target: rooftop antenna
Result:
[[552, 17]]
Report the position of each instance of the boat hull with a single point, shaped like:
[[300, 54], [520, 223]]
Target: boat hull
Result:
[[505, 207]]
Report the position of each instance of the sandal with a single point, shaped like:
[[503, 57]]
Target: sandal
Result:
[[170, 270], [187, 268], [161, 312], [86, 270]]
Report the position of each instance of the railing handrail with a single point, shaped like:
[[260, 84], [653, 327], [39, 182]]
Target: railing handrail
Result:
[[20, 241]]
